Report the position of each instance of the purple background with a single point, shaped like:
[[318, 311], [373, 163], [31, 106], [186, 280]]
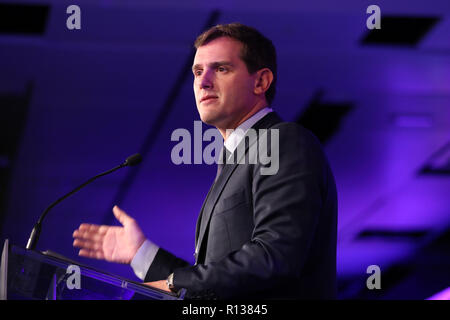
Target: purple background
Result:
[[97, 94]]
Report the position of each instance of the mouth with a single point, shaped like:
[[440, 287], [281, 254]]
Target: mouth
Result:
[[208, 99]]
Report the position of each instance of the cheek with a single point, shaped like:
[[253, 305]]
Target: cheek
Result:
[[196, 90], [194, 85], [242, 90]]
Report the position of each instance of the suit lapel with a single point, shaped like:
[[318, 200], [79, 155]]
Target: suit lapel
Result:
[[216, 190], [197, 228]]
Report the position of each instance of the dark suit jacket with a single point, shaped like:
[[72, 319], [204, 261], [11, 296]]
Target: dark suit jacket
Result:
[[265, 236]]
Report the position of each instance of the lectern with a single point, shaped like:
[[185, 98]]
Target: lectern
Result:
[[32, 275]]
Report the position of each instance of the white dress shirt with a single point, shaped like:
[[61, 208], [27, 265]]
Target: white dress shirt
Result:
[[148, 250]]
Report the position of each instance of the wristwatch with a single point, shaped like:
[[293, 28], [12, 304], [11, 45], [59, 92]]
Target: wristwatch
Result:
[[170, 282]]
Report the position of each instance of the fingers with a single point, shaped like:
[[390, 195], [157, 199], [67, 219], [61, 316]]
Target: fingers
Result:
[[86, 244], [91, 232], [89, 238], [91, 254], [160, 284], [93, 228], [121, 215]]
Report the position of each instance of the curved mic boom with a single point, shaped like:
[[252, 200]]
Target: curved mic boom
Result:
[[34, 236]]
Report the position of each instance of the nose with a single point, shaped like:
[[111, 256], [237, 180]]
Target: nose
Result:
[[206, 80]]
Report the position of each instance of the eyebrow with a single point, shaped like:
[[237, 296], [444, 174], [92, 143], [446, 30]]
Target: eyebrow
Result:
[[213, 65]]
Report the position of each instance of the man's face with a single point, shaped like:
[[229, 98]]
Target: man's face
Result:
[[224, 90]]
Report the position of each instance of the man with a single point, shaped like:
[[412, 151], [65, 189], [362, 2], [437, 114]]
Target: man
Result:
[[258, 236]]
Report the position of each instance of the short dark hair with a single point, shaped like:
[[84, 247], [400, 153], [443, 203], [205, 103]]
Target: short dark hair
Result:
[[257, 52]]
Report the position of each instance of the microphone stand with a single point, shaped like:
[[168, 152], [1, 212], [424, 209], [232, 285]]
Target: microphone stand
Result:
[[35, 233]]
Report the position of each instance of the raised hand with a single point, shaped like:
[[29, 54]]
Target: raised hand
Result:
[[110, 243]]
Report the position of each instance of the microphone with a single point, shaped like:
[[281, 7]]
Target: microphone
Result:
[[132, 160], [34, 236]]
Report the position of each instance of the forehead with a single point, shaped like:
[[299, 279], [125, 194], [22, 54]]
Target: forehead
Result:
[[220, 49]]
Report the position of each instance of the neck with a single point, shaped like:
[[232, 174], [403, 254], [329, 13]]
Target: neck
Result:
[[225, 132]]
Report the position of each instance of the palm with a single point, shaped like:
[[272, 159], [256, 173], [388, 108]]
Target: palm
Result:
[[120, 244]]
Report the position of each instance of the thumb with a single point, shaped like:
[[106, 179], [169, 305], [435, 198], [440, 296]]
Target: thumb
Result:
[[121, 215]]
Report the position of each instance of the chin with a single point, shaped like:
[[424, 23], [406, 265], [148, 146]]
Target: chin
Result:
[[208, 120], [207, 117]]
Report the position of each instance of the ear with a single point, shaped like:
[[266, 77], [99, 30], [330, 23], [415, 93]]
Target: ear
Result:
[[263, 80]]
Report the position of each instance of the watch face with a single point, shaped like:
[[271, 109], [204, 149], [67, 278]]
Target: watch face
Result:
[[170, 281]]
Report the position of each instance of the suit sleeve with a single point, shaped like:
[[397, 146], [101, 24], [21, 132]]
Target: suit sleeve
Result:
[[286, 209], [163, 265]]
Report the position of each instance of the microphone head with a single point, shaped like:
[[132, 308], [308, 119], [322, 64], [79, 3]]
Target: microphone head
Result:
[[133, 160]]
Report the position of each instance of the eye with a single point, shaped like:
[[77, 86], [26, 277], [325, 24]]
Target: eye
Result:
[[222, 69], [197, 72]]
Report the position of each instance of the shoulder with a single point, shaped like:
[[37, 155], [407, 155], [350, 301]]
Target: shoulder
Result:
[[291, 133]]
